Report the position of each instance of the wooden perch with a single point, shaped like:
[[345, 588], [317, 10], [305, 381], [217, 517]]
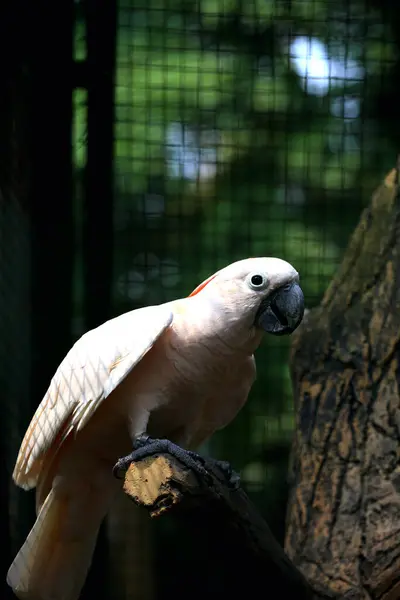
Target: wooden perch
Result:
[[162, 484], [343, 521]]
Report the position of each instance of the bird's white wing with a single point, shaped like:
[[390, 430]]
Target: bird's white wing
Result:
[[91, 370]]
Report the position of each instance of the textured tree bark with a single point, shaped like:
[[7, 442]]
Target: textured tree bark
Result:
[[343, 520], [255, 560]]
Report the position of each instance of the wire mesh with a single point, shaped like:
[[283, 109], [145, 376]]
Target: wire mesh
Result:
[[241, 129], [244, 129]]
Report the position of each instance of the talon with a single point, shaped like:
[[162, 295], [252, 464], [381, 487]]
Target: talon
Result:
[[121, 467]]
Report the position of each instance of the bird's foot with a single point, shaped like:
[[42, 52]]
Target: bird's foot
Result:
[[145, 446]]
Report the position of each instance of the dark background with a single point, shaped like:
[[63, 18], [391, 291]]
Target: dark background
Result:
[[142, 147]]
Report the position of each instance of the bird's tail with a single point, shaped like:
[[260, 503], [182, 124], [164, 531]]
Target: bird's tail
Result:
[[54, 560]]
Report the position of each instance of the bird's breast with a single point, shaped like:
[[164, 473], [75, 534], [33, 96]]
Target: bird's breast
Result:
[[177, 378]]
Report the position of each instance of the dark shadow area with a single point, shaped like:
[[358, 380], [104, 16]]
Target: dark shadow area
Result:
[[143, 147]]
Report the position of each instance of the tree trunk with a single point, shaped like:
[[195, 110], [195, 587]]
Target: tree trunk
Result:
[[343, 514]]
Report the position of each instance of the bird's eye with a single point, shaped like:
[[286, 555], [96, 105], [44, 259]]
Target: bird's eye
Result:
[[257, 281]]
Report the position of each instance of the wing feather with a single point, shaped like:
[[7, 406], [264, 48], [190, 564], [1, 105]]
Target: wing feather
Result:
[[91, 370]]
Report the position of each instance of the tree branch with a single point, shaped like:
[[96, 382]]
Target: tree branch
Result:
[[343, 521], [162, 484]]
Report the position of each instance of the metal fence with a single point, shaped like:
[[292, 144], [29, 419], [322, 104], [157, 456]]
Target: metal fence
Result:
[[203, 132]]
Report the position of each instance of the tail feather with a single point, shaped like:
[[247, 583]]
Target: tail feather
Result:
[[53, 563]]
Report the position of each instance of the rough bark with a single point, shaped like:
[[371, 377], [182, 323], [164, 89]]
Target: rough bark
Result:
[[343, 521], [162, 484]]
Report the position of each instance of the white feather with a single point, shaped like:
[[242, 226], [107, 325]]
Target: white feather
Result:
[[92, 369]]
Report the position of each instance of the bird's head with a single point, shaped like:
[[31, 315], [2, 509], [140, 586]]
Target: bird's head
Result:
[[262, 292]]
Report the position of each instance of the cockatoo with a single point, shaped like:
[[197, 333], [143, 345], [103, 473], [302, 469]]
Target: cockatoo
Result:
[[177, 371]]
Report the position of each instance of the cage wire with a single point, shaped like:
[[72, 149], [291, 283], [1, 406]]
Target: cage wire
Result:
[[242, 129], [245, 129]]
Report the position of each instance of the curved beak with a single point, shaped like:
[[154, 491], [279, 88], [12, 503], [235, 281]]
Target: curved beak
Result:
[[282, 313]]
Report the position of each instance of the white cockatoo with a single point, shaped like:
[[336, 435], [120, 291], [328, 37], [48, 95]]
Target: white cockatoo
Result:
[[177, 371]]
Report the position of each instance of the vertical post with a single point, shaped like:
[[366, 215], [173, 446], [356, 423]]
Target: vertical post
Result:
[[98, 208], [51, 188], [97, 231]]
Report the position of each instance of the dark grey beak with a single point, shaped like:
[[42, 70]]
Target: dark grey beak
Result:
[[281, 313]]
